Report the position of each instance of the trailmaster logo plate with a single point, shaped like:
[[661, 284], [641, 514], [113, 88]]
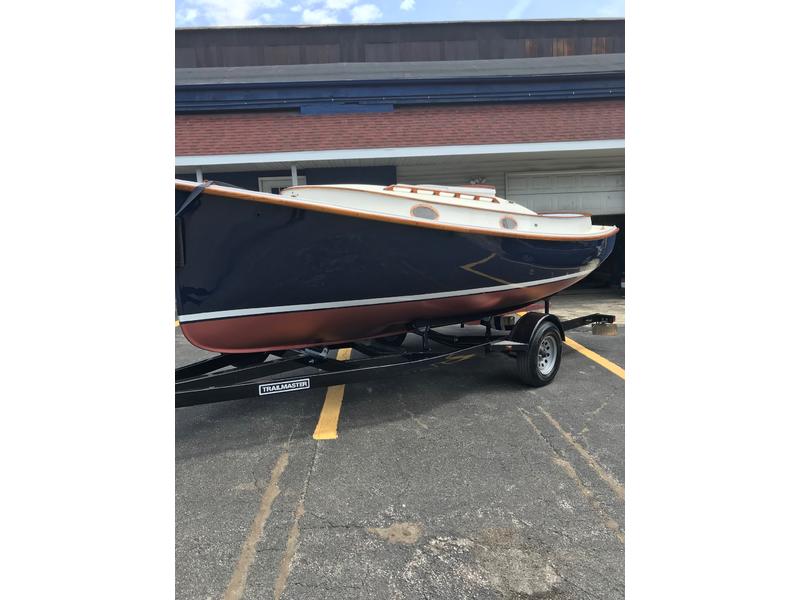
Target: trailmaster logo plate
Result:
[[295, 385]]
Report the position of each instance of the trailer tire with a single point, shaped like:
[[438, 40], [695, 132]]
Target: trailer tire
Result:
[[539, 365]]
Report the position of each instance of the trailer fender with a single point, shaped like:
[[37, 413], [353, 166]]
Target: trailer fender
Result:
[[524, 329]]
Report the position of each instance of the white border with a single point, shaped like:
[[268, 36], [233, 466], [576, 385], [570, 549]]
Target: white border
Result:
[[248, 312], [218, 160], [292, 183]]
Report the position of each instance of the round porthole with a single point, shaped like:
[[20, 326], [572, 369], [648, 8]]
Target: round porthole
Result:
[[508, 223], [424, 212]]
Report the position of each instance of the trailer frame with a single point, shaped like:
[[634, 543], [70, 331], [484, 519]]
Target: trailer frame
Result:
[[263, 374]]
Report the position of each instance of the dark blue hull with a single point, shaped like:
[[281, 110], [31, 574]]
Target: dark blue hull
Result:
[[255, 276]]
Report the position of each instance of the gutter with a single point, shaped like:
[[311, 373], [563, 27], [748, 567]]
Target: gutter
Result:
[[238, 96]]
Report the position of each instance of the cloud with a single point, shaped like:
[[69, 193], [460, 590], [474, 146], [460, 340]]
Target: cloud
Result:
[[226, 12], [319, 16], [339, 4], [296, 8], [407, 5], [185, 17], [366, 13], [518, 8], [329, 5], [615, 8], [324, 12]]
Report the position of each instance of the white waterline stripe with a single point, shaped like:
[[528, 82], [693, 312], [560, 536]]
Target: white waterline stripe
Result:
[[248, 312]]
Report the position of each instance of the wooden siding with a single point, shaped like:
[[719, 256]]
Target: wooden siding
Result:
[[250, 46], [592, 191], [494, 170]]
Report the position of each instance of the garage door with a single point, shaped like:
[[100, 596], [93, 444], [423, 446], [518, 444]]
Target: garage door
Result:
[[595, 192]]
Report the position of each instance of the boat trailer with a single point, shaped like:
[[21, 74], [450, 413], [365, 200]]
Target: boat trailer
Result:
[[534, 341]]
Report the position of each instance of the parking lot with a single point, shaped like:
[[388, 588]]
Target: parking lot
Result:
[[452, 482]]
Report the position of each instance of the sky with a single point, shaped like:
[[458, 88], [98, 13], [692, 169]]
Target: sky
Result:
[[200, 13]]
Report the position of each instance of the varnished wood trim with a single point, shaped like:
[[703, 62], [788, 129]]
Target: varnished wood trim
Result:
[[265, 198], [432, 199], [413, 189], [556, 214]]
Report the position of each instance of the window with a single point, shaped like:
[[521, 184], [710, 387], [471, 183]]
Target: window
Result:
[[274, 185], [423, 211], [508, 223]]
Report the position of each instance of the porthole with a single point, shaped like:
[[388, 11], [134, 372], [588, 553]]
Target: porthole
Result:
[[508, 223], [422, 211]]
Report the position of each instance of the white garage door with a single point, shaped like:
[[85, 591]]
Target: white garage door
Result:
[[595, 192]]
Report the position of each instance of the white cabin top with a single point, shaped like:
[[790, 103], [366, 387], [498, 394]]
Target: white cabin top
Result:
[[471, 206], [468, 209]]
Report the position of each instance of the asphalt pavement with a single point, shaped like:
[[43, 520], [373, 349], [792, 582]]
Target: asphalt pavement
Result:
[[453, 482]]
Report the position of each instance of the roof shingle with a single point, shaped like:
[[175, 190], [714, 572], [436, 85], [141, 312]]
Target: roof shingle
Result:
[[257, 132]]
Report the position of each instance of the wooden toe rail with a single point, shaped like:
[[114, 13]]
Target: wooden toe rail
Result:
[[415, 189]]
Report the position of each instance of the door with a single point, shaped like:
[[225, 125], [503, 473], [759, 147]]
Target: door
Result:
[[595, 192]]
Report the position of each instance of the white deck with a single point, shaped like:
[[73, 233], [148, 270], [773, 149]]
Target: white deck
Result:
[[457, 206]]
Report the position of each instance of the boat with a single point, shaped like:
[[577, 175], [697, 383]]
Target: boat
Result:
[[323, 265]]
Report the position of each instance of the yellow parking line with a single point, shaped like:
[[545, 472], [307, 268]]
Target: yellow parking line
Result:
[[247, 555], [604, 474], [329, 416], [603, 362], [177, 323]]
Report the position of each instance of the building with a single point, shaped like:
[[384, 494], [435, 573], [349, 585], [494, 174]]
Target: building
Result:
[[534, 108]]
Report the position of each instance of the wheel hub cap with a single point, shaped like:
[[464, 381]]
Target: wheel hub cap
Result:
[[546, 356]]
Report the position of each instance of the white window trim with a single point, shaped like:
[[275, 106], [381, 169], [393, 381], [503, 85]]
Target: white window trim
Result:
[[318, 156], [266, 181]]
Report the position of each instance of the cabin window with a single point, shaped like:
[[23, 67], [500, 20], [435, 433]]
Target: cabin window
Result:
[[508, 223], [422, 211]]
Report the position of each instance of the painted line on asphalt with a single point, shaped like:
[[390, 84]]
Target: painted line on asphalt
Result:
[[236, 586], [570, 470], [327, 426], [602, 473], [285, 567], [177, 323], [603, 362], [609, 522], [456, 359]]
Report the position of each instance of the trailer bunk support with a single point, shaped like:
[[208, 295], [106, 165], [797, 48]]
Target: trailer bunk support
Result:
[[253, 375]]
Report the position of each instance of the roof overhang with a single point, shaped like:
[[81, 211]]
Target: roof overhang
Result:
[[344, 86], [364, 156], [584, 64]]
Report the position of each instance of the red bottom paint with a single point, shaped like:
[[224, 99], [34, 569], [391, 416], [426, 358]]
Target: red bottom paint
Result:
[[304, 329]]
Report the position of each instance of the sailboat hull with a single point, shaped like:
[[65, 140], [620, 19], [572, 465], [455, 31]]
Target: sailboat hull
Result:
[[255, 276]]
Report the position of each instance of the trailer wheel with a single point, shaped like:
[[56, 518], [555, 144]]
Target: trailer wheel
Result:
[[538, 366]]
